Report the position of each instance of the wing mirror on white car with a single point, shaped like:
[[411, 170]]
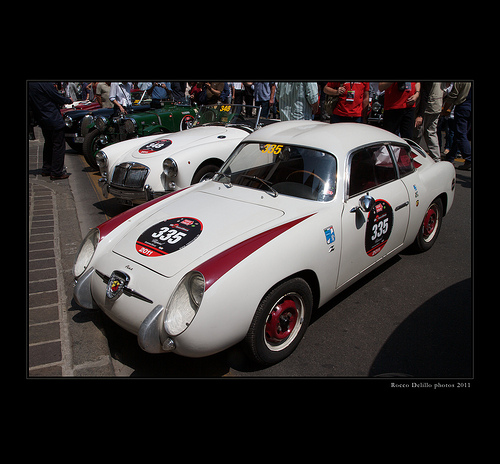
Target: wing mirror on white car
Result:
[[366, 203]]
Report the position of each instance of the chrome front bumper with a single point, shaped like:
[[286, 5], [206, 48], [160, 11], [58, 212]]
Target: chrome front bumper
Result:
[[151, 337], [81, 291], [129, 194]]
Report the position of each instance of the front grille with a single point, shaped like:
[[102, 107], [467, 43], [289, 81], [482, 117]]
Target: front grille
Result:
[[130, 175]]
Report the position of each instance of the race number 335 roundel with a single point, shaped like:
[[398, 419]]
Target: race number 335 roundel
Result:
[[168, 236], [378, 227]]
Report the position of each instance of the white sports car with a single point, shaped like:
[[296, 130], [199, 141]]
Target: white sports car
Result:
[[144, 168], [300, 211]]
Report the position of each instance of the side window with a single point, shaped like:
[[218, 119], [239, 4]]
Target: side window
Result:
[[370, 167], [403, 160]]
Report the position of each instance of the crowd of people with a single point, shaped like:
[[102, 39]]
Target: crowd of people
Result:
[[420, 111]]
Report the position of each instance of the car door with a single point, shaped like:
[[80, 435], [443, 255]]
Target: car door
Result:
[[375, 214]]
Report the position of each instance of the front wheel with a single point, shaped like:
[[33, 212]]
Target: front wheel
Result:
[[430, 227], [91, 145], [205, 173], [280, 322]]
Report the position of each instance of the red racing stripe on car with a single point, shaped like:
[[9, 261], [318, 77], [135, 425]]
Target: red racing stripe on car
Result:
[[106, 227], [216, 267]]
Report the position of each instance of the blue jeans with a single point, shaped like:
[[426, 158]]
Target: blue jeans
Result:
[[462, 125], [264, 112]]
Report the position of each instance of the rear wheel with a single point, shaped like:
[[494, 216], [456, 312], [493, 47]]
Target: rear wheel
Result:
[[280, 322], [431, 225]]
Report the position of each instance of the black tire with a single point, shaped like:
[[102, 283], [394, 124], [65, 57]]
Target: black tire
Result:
[[430, 227], [91, 147], [75, 146], [280, 322], [205, 173]]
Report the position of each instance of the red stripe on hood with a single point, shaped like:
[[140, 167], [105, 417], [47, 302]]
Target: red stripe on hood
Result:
[[106, 227], [216, 267]]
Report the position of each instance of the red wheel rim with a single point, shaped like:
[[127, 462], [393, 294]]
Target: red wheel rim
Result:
[[281, 321], [430, 222]]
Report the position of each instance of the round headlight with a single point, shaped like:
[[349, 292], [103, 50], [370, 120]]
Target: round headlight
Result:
[[130, 125], [86, 252], [101, 123], [184, 303], [170, 167], [68, 120]]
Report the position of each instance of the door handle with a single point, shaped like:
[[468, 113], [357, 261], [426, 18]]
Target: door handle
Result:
[[406, 203]]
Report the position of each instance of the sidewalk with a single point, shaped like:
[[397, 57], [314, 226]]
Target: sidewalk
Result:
[[63, 339]]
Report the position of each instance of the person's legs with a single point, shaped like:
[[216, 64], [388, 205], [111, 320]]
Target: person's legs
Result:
[[430, 133], [58, 152], [392, 120], [407, 124], [462, 122], [47, 150]]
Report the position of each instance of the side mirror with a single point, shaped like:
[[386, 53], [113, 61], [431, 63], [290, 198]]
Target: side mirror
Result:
[[366, 203]]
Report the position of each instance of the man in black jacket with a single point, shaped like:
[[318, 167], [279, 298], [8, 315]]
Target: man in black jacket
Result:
[[45, 102]]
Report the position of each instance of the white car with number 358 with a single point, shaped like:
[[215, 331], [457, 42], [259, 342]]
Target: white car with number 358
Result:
[[300, 211], [144, 168]]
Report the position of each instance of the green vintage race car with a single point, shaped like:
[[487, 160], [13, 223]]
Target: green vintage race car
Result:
[[103, 131]]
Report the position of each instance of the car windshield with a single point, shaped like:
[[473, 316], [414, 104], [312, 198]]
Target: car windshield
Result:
[[223, 114], [281, 169]]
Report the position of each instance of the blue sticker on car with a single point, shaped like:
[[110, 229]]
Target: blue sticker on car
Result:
[[329, 235]]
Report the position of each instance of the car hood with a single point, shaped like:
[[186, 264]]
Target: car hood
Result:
[[165, 144], [187, 228]]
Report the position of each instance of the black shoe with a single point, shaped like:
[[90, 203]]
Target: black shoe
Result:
[[465, 167], [62, 176]]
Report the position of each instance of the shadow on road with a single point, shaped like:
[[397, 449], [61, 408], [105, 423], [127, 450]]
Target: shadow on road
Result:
[[434, 341]]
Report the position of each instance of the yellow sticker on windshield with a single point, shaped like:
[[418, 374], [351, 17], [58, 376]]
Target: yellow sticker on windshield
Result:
[[272, 148]]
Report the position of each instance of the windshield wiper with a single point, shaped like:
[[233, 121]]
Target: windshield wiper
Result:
[[273, 192]]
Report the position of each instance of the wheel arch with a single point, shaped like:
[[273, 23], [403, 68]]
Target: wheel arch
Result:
[[444, 200], [311, 279], [215, 161]]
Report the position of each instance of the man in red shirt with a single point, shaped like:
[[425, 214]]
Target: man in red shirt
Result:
[[353, 101], [399, 107]]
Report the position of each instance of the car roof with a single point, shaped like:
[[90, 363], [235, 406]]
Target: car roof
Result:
[[338, 138]]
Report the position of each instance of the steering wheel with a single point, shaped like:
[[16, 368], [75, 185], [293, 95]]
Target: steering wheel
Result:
[[307, 172]]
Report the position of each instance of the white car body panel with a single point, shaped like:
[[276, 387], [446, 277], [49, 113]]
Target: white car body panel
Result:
[[252, 241], [189, 149]]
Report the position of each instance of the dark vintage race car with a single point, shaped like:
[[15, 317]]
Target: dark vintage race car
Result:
[[104, 131], [79, 119]]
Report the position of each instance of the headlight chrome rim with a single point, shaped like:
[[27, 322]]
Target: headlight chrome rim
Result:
[[102, 163], [101, 123], [68, 120], [86, 252], [130, 125], [170, 168], [184, 303]]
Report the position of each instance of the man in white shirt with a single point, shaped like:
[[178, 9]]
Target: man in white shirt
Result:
[[120, 96]]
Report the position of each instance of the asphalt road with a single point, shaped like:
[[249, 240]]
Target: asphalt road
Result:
[[410, 317]]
